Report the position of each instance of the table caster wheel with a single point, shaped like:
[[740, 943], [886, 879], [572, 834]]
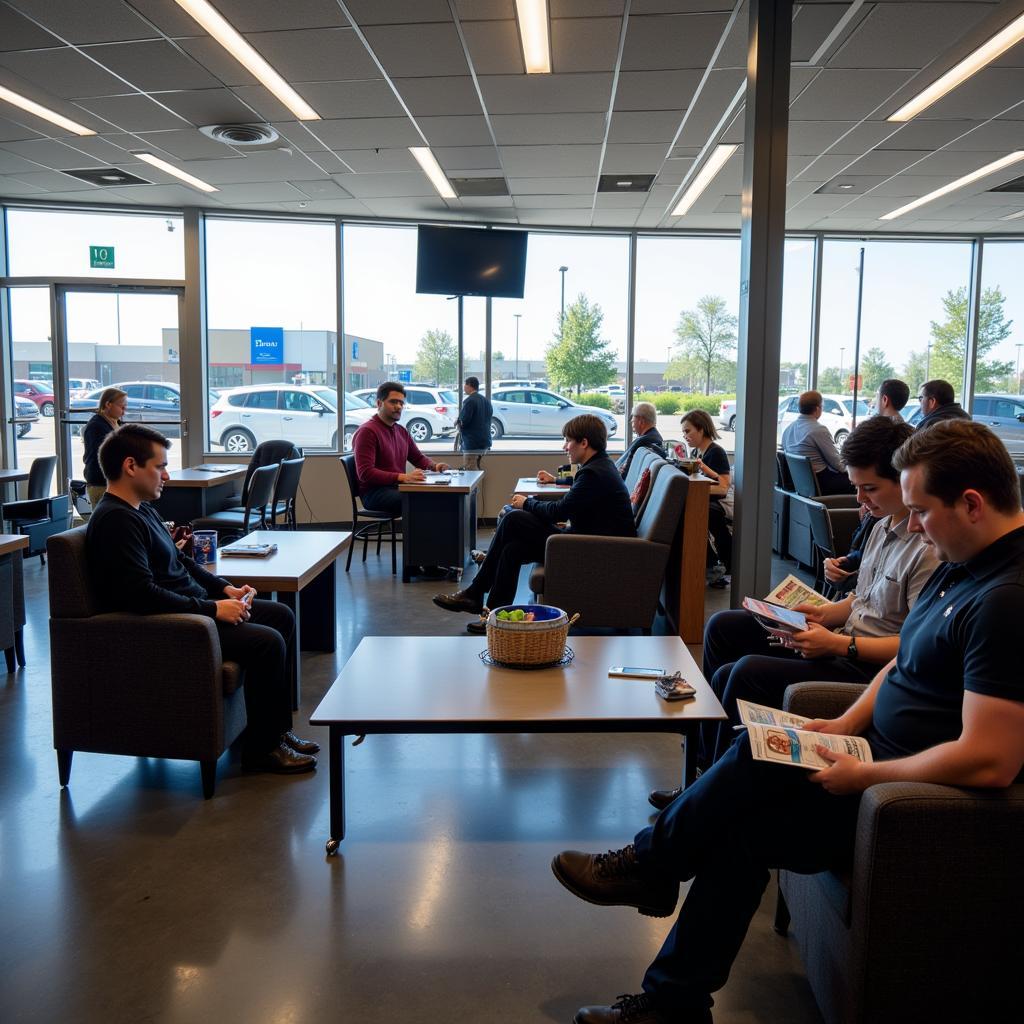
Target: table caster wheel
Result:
[[332, 846]]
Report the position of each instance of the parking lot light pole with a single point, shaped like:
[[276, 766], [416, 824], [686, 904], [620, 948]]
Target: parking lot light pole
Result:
[[1019, 347], [518, 317], [562, 271]]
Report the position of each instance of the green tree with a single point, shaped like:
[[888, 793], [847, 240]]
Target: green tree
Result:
[[706, 335], [915, 371], [949, 340], [830, 380], [578, 357], [874, 368], [437, 358]]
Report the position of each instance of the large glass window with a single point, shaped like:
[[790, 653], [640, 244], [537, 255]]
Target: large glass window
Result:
[[271, 327], [998, 399], [567, 359], [913, 320]]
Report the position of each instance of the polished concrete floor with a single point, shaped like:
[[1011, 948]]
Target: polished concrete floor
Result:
[[128, 898]]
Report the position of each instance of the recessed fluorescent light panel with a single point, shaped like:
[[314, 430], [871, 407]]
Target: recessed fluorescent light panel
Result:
[[533, 31], [1014, 216], [957, 75], [44, 112], [981, 172], [171, 169], [432, 169], [705, 176], [248, 57]]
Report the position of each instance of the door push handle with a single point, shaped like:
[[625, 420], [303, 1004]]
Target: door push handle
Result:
[[288, 418]]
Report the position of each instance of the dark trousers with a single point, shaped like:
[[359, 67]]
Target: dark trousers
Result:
[[262, 646], [738, 820], [518, 540], [383, 499], [718, 527], [740, 664], [832, 481]]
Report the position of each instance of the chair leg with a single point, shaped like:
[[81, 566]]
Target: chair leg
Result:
[[9, 655], [42, 558], [394, 553], [351, 545], [380, 536], [64, 766], [782, 919], [19, 646], [208, 769], [366, 542]]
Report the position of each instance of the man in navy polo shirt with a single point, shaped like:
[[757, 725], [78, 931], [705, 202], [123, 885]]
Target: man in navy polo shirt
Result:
[[948, 709]]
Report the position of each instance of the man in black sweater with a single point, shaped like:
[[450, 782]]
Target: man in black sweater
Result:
[[597, 503], [136, 567]]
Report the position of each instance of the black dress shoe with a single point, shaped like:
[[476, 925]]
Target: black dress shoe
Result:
[[661, 798], [625, 1010], [616, 879], [460, 601], [282, 760], [477, 628], [299, 745]]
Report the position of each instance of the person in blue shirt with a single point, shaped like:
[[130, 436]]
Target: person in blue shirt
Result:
[[948, 709]]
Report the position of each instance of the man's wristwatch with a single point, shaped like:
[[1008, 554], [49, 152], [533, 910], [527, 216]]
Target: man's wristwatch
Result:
[[851, 650]]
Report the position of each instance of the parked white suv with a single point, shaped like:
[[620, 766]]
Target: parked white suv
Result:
[[837, 415], [306, 415], [429, 411]]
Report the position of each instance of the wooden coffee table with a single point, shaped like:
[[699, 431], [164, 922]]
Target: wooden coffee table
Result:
[[444, 687]]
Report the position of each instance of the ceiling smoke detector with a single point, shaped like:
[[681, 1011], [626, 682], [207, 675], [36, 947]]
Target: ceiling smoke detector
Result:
[[241, 134]]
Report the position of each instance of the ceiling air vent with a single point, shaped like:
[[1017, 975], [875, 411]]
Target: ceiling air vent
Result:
[[625, 183], [241, 134], [1017, 185], [108, 177], [479, 186]]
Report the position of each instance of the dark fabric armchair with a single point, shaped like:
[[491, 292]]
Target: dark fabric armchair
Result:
[[924, 925], [171, 695]]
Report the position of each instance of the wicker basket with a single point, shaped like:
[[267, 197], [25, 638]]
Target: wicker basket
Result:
[[528, 643]]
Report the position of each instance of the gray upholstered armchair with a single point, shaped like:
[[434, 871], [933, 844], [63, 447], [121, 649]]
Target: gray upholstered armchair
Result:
[[615, 581], [142, 685], [925, 925]]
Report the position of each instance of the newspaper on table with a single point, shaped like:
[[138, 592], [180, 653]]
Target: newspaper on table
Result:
[[779, 737], [791, 592]]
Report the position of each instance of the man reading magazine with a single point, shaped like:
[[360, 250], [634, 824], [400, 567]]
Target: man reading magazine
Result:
[[948, 709], [846, 641]]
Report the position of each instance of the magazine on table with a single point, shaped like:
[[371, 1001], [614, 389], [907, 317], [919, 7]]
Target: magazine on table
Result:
[[791, 592], [779, 737]]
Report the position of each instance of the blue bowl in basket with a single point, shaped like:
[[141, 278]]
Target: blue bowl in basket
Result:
[[541, 613]]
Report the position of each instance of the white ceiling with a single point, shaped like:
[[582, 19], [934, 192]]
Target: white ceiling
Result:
[[638, 87]]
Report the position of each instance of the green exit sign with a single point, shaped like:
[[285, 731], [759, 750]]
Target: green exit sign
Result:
[[101, 257]]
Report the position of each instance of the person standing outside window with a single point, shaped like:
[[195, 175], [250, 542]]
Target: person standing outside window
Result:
[[475, 420]]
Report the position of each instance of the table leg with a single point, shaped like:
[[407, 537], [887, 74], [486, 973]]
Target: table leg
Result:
[[318, 603], [407, 561], [336, 771], [689, 755], [291, 600]]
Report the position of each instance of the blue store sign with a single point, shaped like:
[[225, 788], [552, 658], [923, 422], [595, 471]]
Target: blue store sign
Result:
[[266, 346]]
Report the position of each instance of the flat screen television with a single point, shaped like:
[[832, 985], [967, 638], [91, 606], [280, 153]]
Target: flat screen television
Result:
[[471, 261]]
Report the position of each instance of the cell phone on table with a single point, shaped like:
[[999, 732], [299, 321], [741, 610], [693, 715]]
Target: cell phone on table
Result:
[[634, 672]]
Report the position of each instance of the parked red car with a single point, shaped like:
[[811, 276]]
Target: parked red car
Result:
[[36, 391]]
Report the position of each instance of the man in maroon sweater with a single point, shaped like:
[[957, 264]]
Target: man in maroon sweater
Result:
[[382, 448]]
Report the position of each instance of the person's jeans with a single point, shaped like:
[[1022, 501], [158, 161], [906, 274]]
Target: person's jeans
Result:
[[518, 540], [383, 499], [738, 820]]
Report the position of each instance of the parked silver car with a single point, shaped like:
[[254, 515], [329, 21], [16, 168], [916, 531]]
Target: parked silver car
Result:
[[429, 411], [532, 412]]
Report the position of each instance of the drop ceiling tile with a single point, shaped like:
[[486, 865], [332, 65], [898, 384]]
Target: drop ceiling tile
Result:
[[644, 126], [10, 186], [633, 158], [477, 203], [98, 21], [259, 192], [656, 90], [462, 130], [104, 149], [378, 161], [151, 65], [679, 6], [429, 207], [906, 35], [707, 109], [222, 106], [866, 136], [549, 161], [415, 51], [134, 113], [674, 171], [485, 10], [185, 144], [553, 186], [168, 17], [272, 15], [987, 94], [212, 56], [62, 72], [849, 94], [466, 158], [159, 195], [668, 42], [560, 202], [615, 218], [728, 204], [820, 168], [547, 129], [326, 188], [18, 33], [885, 161], [378, 186], [54, 181], [552, 94], [427, 96], [332, 206], [1001, 136], [910, 186], [265, 166], [814, 137], [812, 27], [621, 200], [12, 162], [398, 12], [586, 8], [556, 218], [11, 131], [46, 153], [368, 133], [927, 135], [584, 44], [494, 47], [797, 190], [955, 163], [315, 55]]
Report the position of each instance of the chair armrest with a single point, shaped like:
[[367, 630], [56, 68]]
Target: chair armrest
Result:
[[820, 700], [837, 500], [32, 508], [844, 522]]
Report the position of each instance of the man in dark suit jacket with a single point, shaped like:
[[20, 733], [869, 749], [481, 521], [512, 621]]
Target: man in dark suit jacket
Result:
[[475, 418], [645, 418], [597, 503]]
